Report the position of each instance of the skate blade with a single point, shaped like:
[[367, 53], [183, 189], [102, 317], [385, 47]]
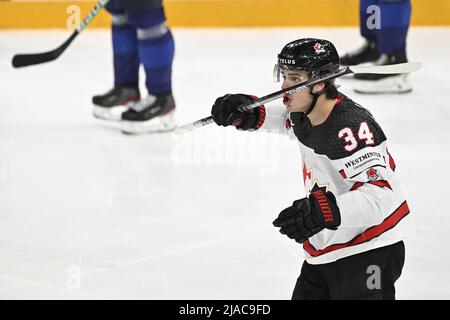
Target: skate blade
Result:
[[390, 85], [159, 124], [383, 92], [109, 114]]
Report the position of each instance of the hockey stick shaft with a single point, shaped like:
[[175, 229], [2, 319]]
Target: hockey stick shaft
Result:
[[23, 60], [388, 69]]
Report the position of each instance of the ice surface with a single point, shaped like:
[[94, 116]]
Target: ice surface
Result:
[[89, 213]]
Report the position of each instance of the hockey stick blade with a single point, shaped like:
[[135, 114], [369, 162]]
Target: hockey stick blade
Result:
[[24, 60], [406, 67]]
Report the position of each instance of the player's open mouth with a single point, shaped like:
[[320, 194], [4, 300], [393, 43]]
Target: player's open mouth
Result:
[[286, 100]]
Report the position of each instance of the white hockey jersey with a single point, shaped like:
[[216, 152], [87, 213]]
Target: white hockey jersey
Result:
[[348, 155]]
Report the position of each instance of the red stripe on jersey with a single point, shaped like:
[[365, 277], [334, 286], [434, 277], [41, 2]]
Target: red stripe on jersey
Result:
[[366, 236], [381, 183], [356, 186], [288, 124], [391, 161], [378, 183], [342, 173]]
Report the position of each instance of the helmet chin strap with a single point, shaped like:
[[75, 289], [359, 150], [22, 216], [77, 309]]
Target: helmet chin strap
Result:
[[315, 97], [313, 103]]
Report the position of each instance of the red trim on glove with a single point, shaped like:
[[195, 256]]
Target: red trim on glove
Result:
[[262, 117], [262, 112]]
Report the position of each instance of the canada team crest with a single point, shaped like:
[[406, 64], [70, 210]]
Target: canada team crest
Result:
[[319, 48], [372, 174]]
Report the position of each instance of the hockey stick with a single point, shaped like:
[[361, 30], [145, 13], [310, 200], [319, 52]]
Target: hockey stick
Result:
[[388, 69], [23, 60]]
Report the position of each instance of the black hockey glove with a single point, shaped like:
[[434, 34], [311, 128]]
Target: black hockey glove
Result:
[[224, 112], [308, 216]]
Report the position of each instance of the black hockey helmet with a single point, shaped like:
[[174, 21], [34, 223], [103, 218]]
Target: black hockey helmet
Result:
[[316, 56]]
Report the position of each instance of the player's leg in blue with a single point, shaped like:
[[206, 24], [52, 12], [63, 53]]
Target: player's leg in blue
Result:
[[156, 51], [395, 18], [368, 51], [126, 67], [366, 11], [391, 43]]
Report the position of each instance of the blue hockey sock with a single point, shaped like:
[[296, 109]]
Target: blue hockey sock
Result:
[[156, 49], [125, 47], [366, 32], [395, 18]]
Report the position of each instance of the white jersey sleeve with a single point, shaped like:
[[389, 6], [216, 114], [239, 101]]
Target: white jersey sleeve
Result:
[[371, 184], [277, 121]]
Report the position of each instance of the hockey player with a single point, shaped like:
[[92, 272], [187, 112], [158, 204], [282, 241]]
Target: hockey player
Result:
[[385, 43], [139, 36], [354, 217]]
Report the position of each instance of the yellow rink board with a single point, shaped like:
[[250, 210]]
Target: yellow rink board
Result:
[[220, 13]]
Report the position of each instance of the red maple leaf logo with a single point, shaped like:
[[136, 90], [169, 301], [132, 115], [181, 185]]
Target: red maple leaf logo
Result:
[[319, 48], [307, 174]]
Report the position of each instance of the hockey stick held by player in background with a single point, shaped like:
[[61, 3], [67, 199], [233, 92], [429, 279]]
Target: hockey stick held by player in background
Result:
[[23, 60], [386, 69]]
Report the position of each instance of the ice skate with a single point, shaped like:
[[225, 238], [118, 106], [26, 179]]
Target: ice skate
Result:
[[384, 83], [383, 60], [391, 84], [112, 104], [151, 114], [368, 52]]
